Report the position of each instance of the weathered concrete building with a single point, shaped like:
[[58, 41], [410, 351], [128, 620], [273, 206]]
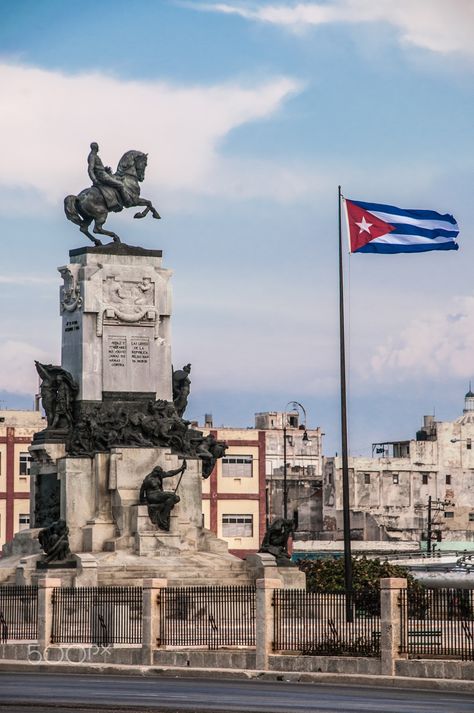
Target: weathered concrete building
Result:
[[304, 469], [389, 494]]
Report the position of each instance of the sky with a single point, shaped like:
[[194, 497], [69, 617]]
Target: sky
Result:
[[252, 114]]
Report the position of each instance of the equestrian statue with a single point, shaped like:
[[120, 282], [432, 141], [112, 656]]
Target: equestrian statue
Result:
[[110, 192]]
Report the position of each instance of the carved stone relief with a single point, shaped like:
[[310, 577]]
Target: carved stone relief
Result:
[[70, 296]]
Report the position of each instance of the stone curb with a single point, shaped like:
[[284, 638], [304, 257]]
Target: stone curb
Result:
[[399, 682]]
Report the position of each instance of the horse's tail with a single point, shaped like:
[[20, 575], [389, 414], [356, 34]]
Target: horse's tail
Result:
[[70, 208]]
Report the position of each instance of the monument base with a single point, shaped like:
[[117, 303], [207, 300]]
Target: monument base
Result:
[[45, 566]]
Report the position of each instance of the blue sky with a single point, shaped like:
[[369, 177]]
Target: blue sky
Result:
[[252, 113]]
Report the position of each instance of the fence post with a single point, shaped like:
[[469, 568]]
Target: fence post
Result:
[[45, 612], [151, 615], [264, 620], [390, 627]]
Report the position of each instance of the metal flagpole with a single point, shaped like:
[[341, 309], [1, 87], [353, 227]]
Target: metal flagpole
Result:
[[345, 462]]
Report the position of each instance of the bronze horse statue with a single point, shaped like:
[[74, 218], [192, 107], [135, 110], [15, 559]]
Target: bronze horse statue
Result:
[[95, 203]]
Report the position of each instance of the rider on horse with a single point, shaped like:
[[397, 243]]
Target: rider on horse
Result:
[[109, 192], [103, 179]]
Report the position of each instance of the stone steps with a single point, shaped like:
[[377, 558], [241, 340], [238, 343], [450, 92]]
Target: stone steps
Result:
[[184, 574]]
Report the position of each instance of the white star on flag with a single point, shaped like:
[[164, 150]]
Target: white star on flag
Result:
[[364, 226]]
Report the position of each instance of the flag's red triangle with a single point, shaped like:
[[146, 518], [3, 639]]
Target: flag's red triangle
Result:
[[364, 226]]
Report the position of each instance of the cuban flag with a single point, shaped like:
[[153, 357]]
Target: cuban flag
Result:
[[378, 228]]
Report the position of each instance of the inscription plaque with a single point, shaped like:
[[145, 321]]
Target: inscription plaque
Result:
[[127, 359], [117, 353], [140, 350]]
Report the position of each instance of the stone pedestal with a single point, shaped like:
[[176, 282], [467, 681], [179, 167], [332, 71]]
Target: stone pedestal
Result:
[[116, 306], [263, 566]]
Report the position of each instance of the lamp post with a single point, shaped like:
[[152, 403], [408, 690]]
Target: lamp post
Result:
[[295, 406]]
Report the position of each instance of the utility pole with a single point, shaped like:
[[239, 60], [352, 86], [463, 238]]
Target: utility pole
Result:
[[429, 527], [433, 507], [285, 489]]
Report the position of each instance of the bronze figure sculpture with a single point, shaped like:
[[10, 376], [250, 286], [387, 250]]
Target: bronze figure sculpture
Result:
[[160, 503], [181, 388], [55, 542], [110, 192], [275, 541], [58, 391]]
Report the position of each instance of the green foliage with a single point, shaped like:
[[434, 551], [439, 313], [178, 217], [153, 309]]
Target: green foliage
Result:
[[327, 575]]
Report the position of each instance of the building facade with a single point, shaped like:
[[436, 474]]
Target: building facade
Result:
[[245, 491], [390, 494], [234, 494], [16, 433]]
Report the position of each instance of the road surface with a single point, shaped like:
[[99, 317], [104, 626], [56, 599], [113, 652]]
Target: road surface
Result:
[[44, 692]]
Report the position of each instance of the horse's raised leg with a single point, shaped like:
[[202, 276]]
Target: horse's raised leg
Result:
[[99, 222], [149, 208], [83, 228]]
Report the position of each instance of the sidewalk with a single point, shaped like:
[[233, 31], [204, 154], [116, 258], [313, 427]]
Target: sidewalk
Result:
[[399, 682]]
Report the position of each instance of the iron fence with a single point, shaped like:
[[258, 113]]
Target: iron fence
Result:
[[208, 616], [97, 615], [328, 624], [18, 613], [437, 623]]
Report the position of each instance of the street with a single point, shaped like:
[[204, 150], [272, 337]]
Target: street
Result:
[[43, 692]]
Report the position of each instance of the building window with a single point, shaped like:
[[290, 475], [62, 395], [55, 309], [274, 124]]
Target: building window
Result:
[[25, 460], [449, 514], [424, 478], [366, 478], [24, 521], [395, 478], [237, 466], [471, 517], [448, 480], [237, 525]]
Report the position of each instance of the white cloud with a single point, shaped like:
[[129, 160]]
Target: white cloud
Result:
[[17, 370], [441, 344], [438, 25], [54, 117]]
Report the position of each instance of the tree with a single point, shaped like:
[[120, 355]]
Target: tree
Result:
[[327, 575]]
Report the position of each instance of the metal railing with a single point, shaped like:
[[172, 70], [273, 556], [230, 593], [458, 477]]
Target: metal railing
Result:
[[18, 613], [437, 623], [327, 624], [208, 616], [97, 615]]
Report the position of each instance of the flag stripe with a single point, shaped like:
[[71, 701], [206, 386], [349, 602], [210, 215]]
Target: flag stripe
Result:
[[404, 229], [415, 214], [392, 218], [403, 238], [374, 247]]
